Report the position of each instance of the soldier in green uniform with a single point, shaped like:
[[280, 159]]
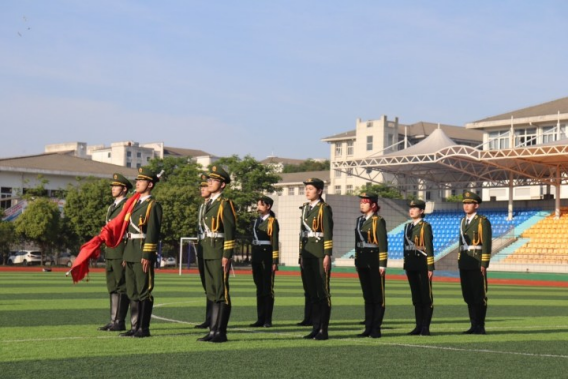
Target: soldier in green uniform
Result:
[[265, 260], [419, 264], [371, 261], [143, 234], [475, 248], [218, 222], [316, 244], [205, 194], [114, 270]]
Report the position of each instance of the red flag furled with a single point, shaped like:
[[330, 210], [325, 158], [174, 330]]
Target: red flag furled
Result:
[[111, 235]]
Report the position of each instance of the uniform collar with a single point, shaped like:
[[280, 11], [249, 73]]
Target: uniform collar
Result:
[[143, 198]]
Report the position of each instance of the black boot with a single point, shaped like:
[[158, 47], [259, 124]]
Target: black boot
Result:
[[134, 317], [269, 306], [114, 299], [316, 314], [260, 313], [378, 312], [427, 316], [472, 316], [119, 324], [221, 333], [368, 320], [325, 311], [146, 313], [213, 323], [418, 321], [207, 322], [481, 319], [307, 321]]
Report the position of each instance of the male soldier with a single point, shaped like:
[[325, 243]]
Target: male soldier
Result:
[[419, 264], [114, 269], [475, 243], [143, 234], [205, 194], [218, 222], [316, 229]]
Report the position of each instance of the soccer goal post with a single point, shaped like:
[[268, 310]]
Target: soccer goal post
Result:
[[190, 240]]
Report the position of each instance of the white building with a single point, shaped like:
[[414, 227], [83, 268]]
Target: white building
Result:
[[532, 126]]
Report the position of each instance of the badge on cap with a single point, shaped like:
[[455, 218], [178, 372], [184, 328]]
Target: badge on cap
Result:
[[115, 176], [214, 169], [467, 194], [140, 170]]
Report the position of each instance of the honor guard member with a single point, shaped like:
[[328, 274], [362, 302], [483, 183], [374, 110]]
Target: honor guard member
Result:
[[475, 248], [419, 264], [143, 234], [265, 260], [218, 222], [316, 230], [205, 194], [371, 261], [114, 270]]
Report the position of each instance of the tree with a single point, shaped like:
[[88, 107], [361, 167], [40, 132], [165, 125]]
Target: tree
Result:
[[454, 199], [307, 165], [7, 237], [382, 190], [40, 223], [249, 180]]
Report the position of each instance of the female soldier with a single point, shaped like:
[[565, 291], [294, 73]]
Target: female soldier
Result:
[[265, 260], [419, 263], [371, 261]]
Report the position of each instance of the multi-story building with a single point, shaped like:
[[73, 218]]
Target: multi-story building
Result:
[[375, 138]]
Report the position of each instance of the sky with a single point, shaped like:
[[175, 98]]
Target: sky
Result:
[[265, 78]]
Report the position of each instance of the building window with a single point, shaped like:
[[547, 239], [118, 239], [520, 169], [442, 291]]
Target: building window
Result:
[[147, 159], [498, 140], [369, 124], [338, 149], [350, 148], [369, 143], [350, 171], [526, 137], [128, 164], [349, 189], [338, 190], [301, 190], [5, 193], [108, 155], [337, 173], [128, 154], [138, 154], [428, 195], [291, 191], [549, 134], [138, 165]]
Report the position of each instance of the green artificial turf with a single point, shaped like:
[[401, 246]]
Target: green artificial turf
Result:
[[48, 329]]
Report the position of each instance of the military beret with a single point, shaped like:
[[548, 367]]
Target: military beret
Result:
[[119, 180], [219, 173], [369, 195], [267, 200], [147, 174], [203, 180], [417, 204], [318, 183], [471, 197]]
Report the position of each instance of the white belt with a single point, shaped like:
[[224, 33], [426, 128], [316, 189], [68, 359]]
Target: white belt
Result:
[[135, 236], [410, 247], [214, 235], [312, 234], [470, 248], [257, 242], [201, 236], [365, 244]]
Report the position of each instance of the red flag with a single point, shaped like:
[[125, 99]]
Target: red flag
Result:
[[111, 235]]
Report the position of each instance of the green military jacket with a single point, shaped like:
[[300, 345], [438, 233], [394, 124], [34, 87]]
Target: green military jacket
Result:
[[316, 231], [146, 219], [219, 224], [418, 253], [263, 232], [112, 212], [371, 241], [475, 243]]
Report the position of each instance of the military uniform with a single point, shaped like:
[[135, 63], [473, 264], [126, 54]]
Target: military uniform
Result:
[[114, 270], [265, 255], [316, 232], [475, 249], [419, 259], [219, 225], [142, 237], [371, 254], [201, 265]]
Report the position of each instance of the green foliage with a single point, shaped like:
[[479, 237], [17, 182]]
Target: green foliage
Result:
[[40, 223], [307, 165], [7, 236], [38, 191], [454, 199], [382, 190], [85, 208], [249, 180]]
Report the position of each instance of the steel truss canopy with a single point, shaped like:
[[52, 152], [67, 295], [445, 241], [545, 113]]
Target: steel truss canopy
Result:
[[438, 162]]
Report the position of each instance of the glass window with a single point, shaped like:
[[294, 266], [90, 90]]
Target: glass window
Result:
[[291, 191], [338, 190], [337, 173], [350, 148], [525, 137], [338, 149], [499, 140], [369, 143], [349, 189], [549, 134], [108, 155], [301, 190], [350, 171], [138, 154], [129, 154], [127, 164]]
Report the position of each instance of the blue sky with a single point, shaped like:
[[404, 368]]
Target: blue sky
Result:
[[266, 77]]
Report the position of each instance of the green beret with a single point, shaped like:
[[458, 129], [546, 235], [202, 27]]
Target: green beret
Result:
[[119, 180], [369, 195], [147, 174], [267, 200], [203, 180], [318, 183], [219, 173], [471, 197], [417, 204]]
